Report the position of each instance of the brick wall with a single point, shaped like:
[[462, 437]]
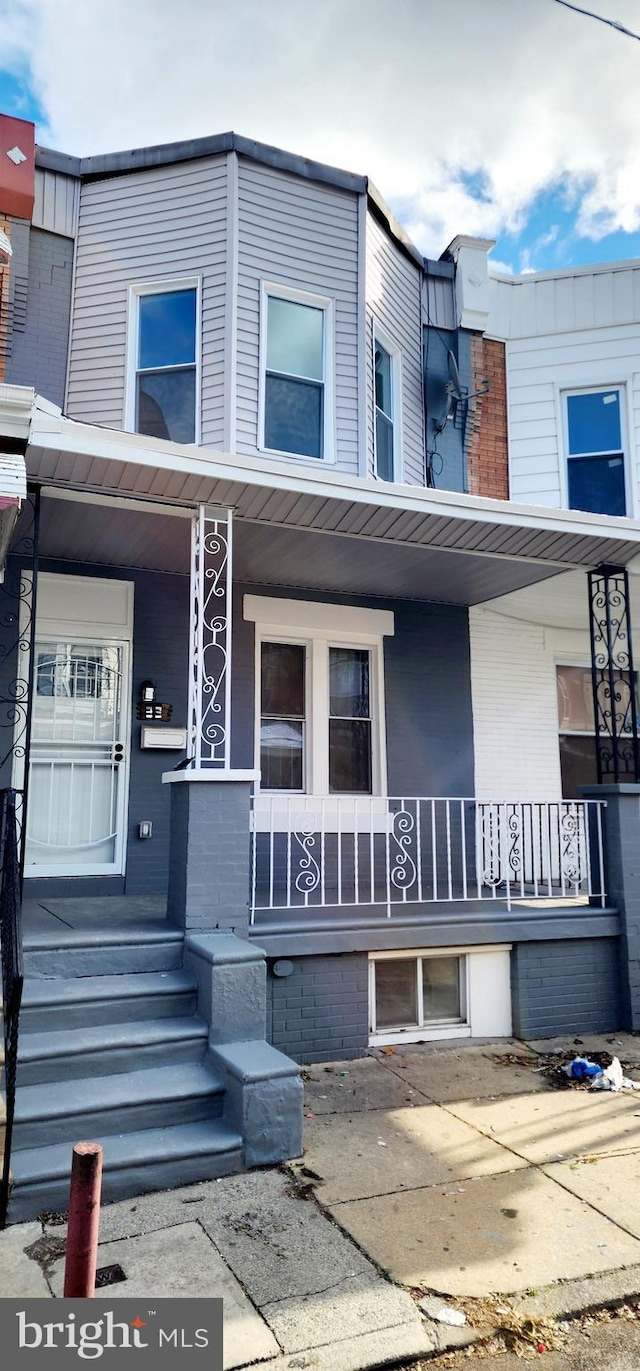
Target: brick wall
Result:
[[320, 1013], [38, 354], [567, 987], [487, 451]]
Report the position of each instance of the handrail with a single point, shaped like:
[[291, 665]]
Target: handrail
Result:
[[354, 851], [12, 972]]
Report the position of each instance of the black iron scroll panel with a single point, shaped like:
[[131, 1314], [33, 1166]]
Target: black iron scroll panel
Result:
[[613, 677], [18, 593], [12, 972]]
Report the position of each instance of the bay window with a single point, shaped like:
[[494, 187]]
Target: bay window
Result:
[[387, 428], [162, 399], [296, 373]]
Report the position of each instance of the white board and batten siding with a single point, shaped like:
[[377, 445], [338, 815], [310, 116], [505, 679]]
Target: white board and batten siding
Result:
[[515, 708], [303, 235], [566, 332], [394, 303], [165, 223]]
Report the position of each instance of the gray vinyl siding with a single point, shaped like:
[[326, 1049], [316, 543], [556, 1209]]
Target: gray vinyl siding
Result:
[[394, 288], [164, 223], [370, 420], [303, 235]]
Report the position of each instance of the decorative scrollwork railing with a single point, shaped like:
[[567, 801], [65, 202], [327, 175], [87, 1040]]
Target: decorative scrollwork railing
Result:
[[12, 972], [371, 851]]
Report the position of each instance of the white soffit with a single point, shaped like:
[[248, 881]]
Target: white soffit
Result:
[[302, 496]]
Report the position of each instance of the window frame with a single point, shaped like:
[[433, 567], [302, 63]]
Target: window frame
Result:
[[564, 394], [330, 626], [486, 1002], [275, 290], [425, 1029], [168, 286], [379, 335]]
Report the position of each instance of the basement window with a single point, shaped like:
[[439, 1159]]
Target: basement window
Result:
[[424, 994], [415, 992]]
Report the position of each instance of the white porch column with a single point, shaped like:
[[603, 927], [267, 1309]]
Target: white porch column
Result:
[[210, 639], [209, 857]]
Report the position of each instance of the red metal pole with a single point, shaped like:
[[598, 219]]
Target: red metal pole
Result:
[[84, 1221]]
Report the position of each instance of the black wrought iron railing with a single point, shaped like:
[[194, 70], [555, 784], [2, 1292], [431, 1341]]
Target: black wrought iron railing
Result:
[[12, 972]]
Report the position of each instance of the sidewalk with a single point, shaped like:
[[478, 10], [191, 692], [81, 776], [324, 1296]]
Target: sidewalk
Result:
[[428, 1172]]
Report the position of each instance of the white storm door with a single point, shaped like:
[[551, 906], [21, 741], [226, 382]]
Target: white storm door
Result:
[[78, 776]]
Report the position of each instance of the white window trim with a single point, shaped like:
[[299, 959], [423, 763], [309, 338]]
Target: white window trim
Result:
[[470, 993], [326, 304], [164, 287], [380, 336], [623, 386], [319, 626]]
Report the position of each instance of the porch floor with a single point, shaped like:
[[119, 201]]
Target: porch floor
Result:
[[74, 917]]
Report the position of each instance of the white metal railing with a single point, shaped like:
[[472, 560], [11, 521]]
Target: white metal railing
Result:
[[325, 852]]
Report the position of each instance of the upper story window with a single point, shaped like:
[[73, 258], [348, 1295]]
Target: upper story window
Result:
[[297, 378], [595, 451], [386, 371], [163, 380]]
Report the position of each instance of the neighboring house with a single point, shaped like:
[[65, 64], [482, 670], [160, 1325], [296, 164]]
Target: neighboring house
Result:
[[566, 346], [269, 519]]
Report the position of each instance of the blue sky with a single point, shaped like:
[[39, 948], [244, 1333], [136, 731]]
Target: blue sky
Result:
[[516, 120]]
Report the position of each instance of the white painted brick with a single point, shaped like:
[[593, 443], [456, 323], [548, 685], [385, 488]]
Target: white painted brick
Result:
[[515, 711]]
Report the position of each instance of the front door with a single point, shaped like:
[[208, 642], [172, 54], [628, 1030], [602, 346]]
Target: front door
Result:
[[79, 757]]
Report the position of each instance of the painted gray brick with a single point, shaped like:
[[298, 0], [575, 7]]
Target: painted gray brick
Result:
[[566, 999], [320, 1012]]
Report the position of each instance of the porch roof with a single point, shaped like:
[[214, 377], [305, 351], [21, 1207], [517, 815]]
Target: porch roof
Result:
[[432, 544]]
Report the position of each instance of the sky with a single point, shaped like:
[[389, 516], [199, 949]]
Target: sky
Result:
[[515, 120]]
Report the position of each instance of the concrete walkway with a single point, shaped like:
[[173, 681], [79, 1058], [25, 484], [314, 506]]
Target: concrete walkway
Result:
[[429, 1174]]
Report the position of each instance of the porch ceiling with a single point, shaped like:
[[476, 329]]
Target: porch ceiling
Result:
[[315, 529], [106, 534]]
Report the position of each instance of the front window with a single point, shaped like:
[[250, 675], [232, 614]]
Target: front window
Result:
[[595, 452], [295, 381], [577, 729], [349, 721], [282, 716], [165, 364]]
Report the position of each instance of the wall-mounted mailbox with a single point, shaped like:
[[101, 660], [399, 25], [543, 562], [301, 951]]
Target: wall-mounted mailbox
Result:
[[171, 739]]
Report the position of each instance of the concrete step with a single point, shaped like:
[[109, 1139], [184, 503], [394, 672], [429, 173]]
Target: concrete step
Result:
[[102, 952], [52, 1005], [105, 1105], [109, 1049], [152, 1159]]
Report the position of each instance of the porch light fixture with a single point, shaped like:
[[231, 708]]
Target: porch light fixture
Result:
[[6, 250], [149, 709]]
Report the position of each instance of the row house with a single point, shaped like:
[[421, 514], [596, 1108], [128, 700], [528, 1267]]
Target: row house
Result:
[[266, 702]]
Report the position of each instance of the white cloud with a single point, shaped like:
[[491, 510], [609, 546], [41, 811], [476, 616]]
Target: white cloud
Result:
[[518, 93]]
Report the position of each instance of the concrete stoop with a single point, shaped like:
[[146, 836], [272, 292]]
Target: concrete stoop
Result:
[[164, 1062]]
